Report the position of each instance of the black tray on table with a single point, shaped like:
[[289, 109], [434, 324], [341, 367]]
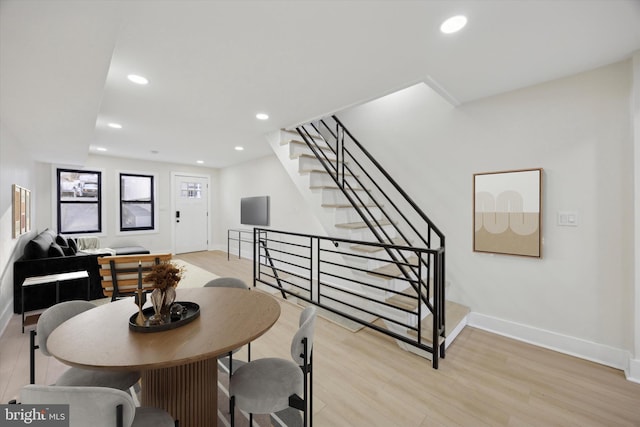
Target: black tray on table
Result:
[[190, 313]]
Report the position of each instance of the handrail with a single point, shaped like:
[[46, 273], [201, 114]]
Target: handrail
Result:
[[341, 183], [391, 180], [316, 269], [341, 170]]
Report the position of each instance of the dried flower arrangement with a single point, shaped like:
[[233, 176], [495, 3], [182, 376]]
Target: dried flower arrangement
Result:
[[165, 275]]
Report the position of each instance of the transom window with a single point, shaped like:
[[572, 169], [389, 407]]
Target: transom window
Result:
[[191, 190]]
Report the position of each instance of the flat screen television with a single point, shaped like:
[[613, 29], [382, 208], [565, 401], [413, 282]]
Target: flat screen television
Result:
[[254, 210]]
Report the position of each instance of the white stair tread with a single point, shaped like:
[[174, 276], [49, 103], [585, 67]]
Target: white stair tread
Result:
[[332, 187], [392, 269], [296, 135], [371, 249], [358, 225], [316, 169], [303, 144], [311, 156], [407, 299], [347, 205]]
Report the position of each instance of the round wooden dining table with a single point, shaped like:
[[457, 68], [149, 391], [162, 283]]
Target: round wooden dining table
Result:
[[179, 366]]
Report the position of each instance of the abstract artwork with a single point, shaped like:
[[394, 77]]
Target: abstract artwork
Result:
[[507, 212]]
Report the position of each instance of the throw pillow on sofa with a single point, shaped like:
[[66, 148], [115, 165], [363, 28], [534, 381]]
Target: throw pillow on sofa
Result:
[[38, 247], [72, 245], [64, 244], [55, 250]]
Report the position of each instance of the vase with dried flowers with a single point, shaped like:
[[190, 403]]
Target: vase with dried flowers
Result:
[[165, 276]]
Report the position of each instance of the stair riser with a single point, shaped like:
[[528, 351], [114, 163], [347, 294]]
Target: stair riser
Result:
[[387, 286], [347, 215], [337, 197], [370, 264], [306, 164], [296, 150], [364, 234], [323, 180], [404, 317]]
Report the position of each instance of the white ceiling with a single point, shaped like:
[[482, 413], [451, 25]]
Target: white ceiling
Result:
[[213, 65]]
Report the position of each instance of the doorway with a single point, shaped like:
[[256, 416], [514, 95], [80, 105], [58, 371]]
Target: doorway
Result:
[[191, 213]]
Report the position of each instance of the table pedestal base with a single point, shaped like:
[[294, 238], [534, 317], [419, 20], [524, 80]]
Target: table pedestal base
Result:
[[188, 392]]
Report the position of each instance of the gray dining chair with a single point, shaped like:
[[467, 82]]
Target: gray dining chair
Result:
[[229, 282], [269, 385], [226, 282], [53, 317], [97, 406]]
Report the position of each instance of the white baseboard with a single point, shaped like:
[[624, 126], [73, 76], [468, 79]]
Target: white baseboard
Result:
[[633, 373], [218, 247], [599, 353]]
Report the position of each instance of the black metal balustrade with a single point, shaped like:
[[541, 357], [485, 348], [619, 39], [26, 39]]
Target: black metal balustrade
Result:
[[385, 208], [328, 272], [324, 271]]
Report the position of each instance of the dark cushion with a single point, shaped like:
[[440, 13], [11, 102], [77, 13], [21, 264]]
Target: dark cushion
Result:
[[38, 247], [64, 244], [73, 245], [131, 250], [55, 250], [67, 251], [34, 250]]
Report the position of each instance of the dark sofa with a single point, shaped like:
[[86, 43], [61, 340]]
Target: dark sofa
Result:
[[49, 253]]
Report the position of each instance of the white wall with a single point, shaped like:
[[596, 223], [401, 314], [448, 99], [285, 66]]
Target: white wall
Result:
[[16, 167], [160, 241], [634, 368], [579, 296], [262, 177]]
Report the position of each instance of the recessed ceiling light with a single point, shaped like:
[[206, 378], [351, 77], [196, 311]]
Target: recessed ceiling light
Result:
[[199, 162], [115, 125], [262, 116], [453, 24], [137, 79], [101, 149], [239, 148]]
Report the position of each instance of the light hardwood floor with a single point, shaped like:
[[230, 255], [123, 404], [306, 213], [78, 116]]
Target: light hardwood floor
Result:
[[364, 379]]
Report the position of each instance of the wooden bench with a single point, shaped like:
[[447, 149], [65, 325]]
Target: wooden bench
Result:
[[120, 273]]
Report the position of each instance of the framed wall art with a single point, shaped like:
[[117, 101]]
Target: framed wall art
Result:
[[21, 210], [507, 212]]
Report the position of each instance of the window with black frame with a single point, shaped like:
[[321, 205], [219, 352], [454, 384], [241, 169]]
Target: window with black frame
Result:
[[137, 202], [79, 201]]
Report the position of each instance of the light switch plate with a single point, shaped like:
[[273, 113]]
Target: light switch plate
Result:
[[568, 219]]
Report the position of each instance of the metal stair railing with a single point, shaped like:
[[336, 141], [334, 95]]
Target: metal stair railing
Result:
[[355, 171], [321, 270]]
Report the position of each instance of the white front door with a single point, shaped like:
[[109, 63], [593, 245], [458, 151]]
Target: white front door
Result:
[[191, 214]]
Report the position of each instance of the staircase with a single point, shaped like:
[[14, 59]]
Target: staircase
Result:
[[385, 271]]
